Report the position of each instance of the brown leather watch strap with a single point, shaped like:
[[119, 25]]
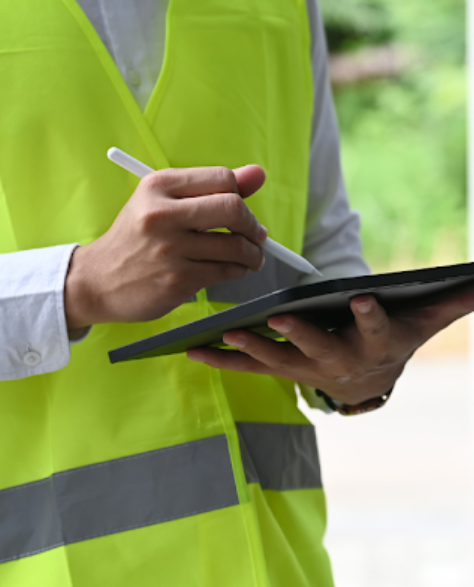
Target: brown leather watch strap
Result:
[[347, 410]]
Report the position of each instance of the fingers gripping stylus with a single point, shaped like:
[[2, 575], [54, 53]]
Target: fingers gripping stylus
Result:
[[269, 245]]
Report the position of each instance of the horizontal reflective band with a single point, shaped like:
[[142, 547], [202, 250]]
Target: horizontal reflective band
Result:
[[115, 496], [280, 456]]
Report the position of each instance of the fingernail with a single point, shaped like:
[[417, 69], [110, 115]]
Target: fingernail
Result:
[[283, 326], [364, 307], [239, 342], [262, 234], [262, 264], [195, 356]]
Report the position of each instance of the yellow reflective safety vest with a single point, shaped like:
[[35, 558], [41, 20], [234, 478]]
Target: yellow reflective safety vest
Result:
[[163, 471]]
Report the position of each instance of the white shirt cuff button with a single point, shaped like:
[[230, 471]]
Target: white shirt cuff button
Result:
[[32, 358]]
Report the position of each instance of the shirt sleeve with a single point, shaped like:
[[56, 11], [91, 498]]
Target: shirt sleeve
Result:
[[332, 239], [33, 334]]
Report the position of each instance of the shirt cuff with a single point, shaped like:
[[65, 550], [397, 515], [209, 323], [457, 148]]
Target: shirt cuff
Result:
[[33, 332]]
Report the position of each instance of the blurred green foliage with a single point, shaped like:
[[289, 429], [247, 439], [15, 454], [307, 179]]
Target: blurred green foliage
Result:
[[352, 23], [404, 139]]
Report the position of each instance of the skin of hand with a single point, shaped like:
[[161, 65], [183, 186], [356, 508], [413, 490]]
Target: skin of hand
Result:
[[352, 364], [158, 252]]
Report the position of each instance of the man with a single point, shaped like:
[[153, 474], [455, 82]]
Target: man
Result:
[[166, 471]]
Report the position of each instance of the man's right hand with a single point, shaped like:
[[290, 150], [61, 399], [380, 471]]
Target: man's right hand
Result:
[[158, 252]]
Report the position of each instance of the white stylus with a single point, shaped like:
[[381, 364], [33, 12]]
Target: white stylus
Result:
[[270, 246]]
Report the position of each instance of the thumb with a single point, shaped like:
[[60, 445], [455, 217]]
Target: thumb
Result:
[[249, 179], [371, 320]]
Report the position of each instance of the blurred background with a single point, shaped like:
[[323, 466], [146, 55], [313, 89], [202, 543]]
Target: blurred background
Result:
[[400, 482], [399, 78]]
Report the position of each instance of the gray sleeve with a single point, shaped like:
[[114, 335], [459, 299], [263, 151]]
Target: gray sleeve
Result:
[[332, 239]]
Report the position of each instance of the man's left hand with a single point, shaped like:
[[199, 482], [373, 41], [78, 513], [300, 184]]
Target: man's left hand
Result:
[[351, 364]]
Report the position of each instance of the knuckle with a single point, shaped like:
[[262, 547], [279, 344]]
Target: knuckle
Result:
[[174, 280], [153, 181], [164, 250], [159, 180], [226, 178], [149, 181], [235, 206], [153, 215]]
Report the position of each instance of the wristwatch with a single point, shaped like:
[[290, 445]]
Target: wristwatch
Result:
[[347, 410]]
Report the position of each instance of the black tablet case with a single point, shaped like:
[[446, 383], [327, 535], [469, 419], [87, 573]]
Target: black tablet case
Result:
[[325, 304]]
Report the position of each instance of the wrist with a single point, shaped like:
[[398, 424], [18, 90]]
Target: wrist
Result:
[[79, 297]]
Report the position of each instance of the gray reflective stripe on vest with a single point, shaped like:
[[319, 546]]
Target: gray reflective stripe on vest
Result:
[[115, 496], [280, 456], [151, 488]]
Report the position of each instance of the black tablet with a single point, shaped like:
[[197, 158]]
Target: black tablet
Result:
[[325, 304]]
